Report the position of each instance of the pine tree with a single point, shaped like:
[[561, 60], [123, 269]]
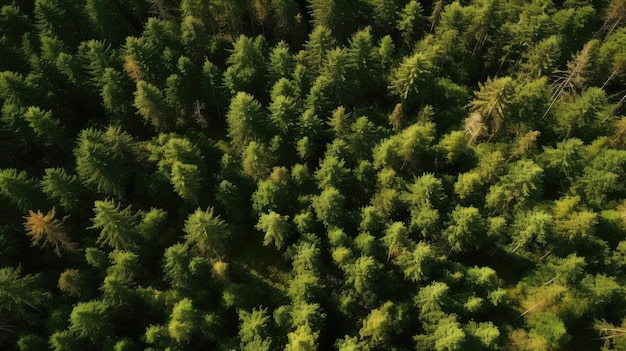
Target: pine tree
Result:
[[411, 76], [257, 161], [411, 23], [332, 172], [70, 282], [246, 66], [21, 189], [176, 265], [182, 321], [91, 320], [253, 330], [340, 17], [96, 56], [396, 239], [384, 14], [465, 229], [246, 121], [118, 227], [285, 13], [186, 180], [491, 106], [207, 233], [378, 325], [281, 62], [116, 92], [105, 20], [47, 128], [104, 159], [17, 289], [364, 56], [276, 228], [329, 206], [416, 263], [151, 105], [320, 41], [302, 339], [283, 113]]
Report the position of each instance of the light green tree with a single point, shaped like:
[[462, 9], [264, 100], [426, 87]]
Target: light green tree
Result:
[[276, 228], [207, 232], [117, 225], [91, 320]]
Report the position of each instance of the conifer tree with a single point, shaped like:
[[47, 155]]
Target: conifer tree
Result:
[[411, 22], [246, 121], [21, 189], [17, 289], [91, 320], [253, 330], [207, 232], [118, 227], [384, 14], [103, 159], [151, 105], [246, 66], [328, 206], [186, 180], [256, 161], [286, 17], [490, 108], [410, 76], [105, 20], [45, 126], [176, 265], [276, 228], [46, 229], [281, 63], [320, 41], [182, 321]]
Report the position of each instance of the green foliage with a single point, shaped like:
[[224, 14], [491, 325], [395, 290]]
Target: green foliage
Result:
[[302, 339], [91, 320], [518, 186], [62, 187], [443, 175], [246, 65], [276, 228], [253, 329], [256, 161], [378, 325], [186, 179], [117, 225], [104, 159], [449, 336], [328, 206], [465, 229], [246, 121], [17, 290], [411, 22], [20, 189], [415, 263], [182, 322], [411, 76], [150, 104], [207, 232]]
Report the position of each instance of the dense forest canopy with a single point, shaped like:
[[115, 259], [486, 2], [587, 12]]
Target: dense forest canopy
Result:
[[321, 174]]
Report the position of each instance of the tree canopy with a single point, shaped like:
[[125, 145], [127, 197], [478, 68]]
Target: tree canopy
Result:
[[312, 175]]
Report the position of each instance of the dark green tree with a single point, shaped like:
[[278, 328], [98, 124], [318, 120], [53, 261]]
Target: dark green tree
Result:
[[104, 160]]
